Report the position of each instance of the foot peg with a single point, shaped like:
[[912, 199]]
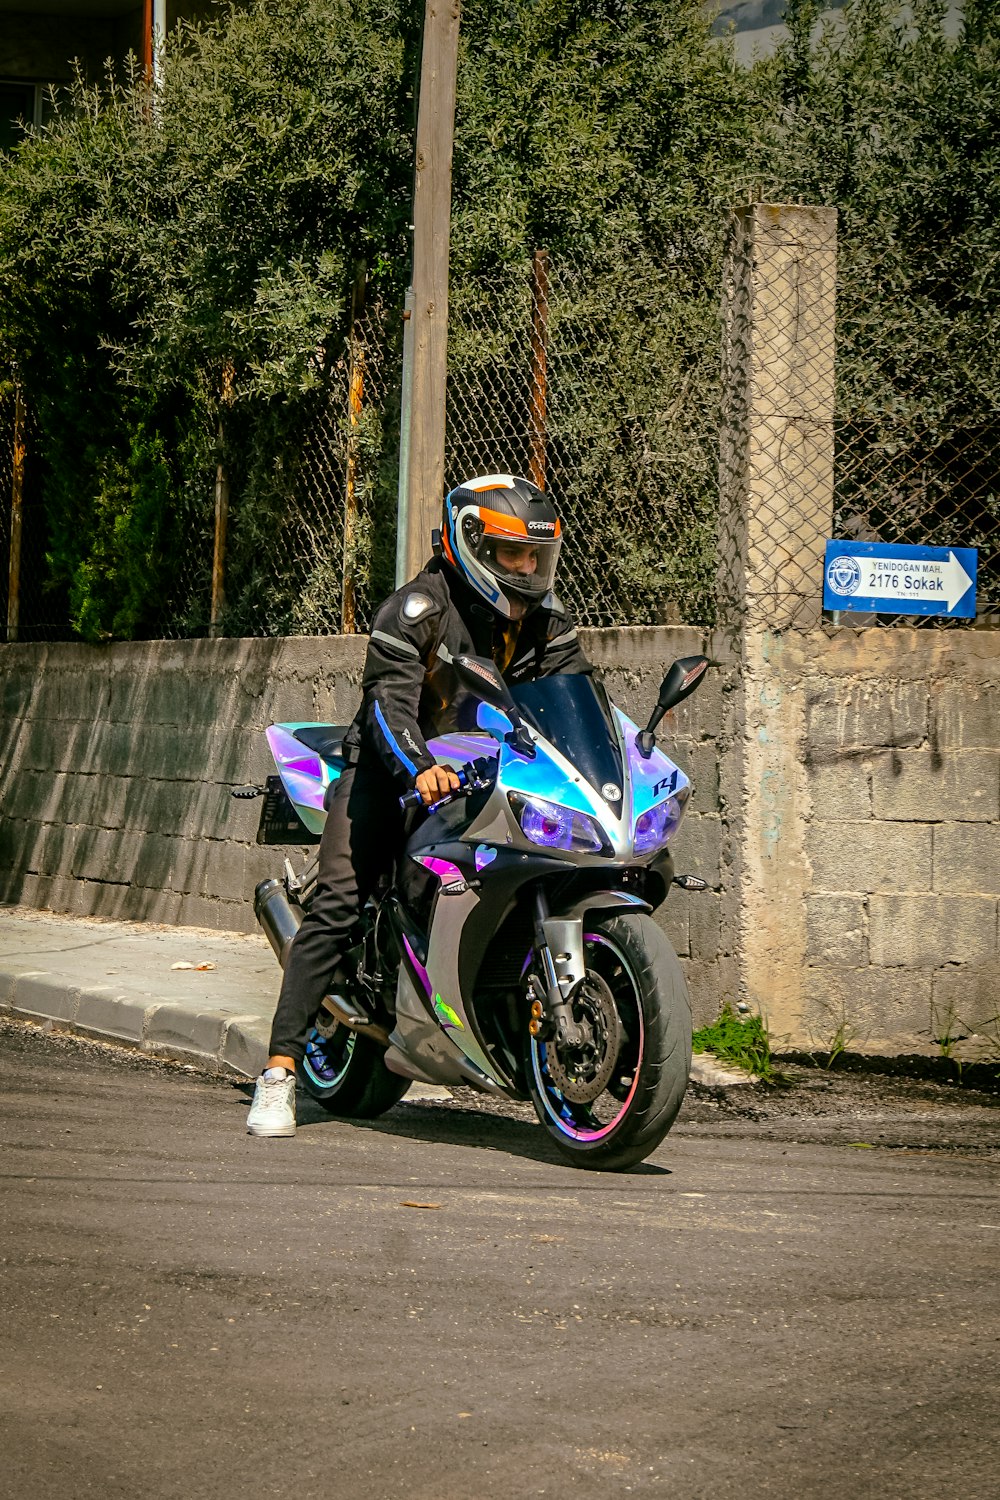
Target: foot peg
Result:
[[337, 1011]]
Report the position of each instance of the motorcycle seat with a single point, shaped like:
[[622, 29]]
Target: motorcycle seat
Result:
[[326, 740]]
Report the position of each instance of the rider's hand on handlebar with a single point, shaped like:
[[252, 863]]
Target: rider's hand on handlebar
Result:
[[436, 782]]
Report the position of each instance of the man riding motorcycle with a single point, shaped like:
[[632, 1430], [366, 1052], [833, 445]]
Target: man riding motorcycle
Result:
[[488, 594]]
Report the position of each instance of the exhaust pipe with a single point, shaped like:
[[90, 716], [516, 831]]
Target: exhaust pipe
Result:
[[281, 921], [276, 915]]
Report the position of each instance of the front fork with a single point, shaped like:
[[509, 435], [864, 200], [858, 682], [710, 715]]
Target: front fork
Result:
[[559, 945]]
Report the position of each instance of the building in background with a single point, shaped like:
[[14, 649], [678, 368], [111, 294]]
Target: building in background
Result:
[[757, 26], [41, 44]]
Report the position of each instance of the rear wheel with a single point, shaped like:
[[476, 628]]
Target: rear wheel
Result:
[[608, 1103], [346, 1073]]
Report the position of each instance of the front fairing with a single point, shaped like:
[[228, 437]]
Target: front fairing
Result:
[[465, 865], [609, 782]]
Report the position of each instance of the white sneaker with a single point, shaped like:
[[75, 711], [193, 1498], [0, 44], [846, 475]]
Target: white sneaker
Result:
[[273, 1109]]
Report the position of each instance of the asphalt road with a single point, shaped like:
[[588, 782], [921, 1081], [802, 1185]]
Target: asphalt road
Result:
[[188, 1312]]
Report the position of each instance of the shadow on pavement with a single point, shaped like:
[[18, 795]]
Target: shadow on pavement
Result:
[[453, 1125]]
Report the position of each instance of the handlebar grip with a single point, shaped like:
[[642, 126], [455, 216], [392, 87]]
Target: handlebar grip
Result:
[[412, 798]]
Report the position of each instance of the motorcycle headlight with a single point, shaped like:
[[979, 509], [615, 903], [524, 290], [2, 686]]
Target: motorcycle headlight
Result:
[[555, 827], [656, 826]]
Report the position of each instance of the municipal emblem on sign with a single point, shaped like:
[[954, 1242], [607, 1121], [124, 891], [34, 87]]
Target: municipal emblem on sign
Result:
[[844, 575]]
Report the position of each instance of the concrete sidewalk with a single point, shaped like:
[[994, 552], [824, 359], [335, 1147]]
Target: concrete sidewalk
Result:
[[116, 980]]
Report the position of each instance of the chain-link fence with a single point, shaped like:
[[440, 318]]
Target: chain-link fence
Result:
[[285, 519], [7, 499], [31, 607], [312, 525], [917, 414], [595, 372], [598, 372]]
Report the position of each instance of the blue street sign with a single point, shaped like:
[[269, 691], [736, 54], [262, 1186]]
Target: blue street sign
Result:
[[873, 577]]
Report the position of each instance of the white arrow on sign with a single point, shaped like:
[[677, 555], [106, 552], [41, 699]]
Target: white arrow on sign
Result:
[[956, 580], [942, 582]]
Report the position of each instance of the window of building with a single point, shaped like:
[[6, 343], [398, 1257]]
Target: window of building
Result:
[[17, 109], [20, 105]]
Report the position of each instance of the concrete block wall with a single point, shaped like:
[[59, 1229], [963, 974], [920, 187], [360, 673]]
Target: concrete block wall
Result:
[[116, 765], [887, 746], [846, 810], [698, 736], [901, 743], [861, 787]]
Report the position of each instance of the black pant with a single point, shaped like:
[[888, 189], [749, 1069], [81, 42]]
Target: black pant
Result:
[[362, 836]]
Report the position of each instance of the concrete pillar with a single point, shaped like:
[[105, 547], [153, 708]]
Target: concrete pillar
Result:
[[776, 458], [425, 423], [776, 511]]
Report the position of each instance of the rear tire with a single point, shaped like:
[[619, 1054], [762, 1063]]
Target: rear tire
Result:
[[347, 1075], [629, 963]]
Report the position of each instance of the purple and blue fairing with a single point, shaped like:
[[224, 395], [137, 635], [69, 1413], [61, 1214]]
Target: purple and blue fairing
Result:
[[304, 774], [653, 782], [456, 749]]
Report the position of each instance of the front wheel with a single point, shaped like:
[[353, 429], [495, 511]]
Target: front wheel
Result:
[[346, 1073], [609, 1103]]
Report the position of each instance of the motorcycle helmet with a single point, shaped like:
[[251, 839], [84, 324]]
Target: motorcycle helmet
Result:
[[503, 536]]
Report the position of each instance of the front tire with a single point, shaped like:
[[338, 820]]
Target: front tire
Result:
[[347, 1075], [609, 1111]]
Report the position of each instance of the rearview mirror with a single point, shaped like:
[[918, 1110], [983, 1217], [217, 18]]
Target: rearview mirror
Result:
[[480, 677], [680, 681]]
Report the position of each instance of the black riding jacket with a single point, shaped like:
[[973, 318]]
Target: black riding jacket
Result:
[[411, 692]]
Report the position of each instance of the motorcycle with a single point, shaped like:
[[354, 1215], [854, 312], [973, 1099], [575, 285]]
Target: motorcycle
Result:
[[514, 949]]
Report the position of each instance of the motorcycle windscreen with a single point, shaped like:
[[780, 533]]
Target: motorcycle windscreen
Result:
[[574, 715]]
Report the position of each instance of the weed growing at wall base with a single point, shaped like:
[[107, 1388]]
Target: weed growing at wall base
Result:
[[740, 1040]]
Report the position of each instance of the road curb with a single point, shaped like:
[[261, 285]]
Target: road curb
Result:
[[163, 1028], [175, 992], [166, 1028]]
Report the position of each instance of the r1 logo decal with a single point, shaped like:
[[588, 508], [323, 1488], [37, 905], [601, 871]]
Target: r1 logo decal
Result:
[[666, 785]]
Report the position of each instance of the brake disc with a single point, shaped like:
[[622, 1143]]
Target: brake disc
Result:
[[582, 1073]]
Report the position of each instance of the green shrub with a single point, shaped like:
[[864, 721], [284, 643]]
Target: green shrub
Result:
[[176, 273]]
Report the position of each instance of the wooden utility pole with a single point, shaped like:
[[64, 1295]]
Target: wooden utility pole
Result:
[[539, 365], [355, 405], [16, 512], [154, 36], [424, 480], [218, 607], [159, 40]]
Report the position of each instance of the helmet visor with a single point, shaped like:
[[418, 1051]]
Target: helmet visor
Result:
[[524, 569]]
